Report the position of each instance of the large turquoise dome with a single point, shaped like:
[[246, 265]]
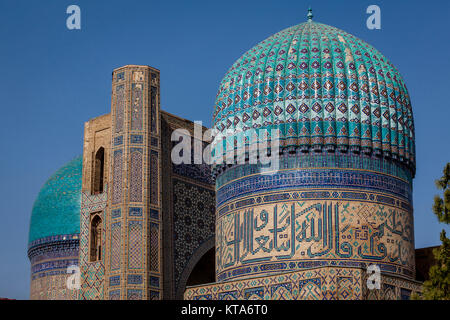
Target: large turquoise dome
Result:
[[56, 211], [325, 89]]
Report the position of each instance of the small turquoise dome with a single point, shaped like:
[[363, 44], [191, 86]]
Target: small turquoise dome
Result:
[[56, 210], [324, 89]]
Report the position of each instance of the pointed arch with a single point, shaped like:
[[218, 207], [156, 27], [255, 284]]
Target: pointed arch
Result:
[[98, 171], [196, 263], [95, 236]]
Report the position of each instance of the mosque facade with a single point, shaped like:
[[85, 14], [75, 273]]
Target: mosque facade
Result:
[[337, 209]]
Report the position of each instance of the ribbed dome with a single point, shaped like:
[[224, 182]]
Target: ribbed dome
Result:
[[56, 210], [324, 89]]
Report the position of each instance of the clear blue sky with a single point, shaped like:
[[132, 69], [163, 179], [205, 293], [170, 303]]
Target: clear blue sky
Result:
[[52, 80]]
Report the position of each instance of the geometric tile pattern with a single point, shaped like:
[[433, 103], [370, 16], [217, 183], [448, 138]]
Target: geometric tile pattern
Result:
[[120, 105], [135, 244], [309, 289], [389, 291], [92, 273], [153, 109], [134, 294], [134, 168], [322, 161], [154, 177], [282, 291], [391, 288], [117, 177], [136, 175], [114, 295], [193, 210], [344, 285], [198, 172], [137, 103], [115, 246], [52, 287], [154, 247], [325, 178], [323, 283]]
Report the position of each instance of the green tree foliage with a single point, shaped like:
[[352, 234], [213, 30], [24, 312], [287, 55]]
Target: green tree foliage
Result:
[[441, 207], [438, 286]]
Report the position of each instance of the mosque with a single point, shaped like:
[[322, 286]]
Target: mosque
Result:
[[140, 227]]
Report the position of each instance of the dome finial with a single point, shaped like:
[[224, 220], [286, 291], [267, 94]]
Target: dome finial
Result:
[[310, 14]]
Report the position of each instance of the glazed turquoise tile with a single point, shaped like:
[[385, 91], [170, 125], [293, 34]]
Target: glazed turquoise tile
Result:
[[323, 88], [56, 210]]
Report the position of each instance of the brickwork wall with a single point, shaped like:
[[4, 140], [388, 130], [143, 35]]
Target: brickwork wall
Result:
[[188, 211], [133, 222]]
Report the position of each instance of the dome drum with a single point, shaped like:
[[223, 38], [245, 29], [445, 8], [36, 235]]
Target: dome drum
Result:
[[342, 193], [299, 151], [52, 244], [54, 233]]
